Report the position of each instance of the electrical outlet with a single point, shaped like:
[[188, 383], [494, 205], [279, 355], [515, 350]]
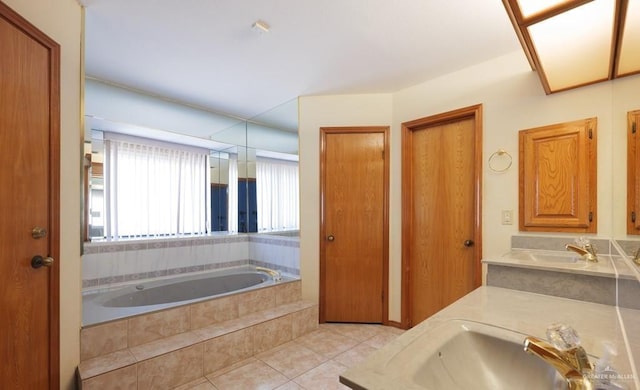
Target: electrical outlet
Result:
[[507, 217]]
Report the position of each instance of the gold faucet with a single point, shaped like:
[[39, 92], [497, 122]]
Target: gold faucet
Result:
[[274, 274], [636, 257], [587, 252], [573, 363]]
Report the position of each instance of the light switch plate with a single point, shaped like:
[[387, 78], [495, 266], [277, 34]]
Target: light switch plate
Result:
[[507, 217]]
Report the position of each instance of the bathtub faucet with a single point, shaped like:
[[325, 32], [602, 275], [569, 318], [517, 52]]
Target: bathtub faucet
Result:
[[274, 274]]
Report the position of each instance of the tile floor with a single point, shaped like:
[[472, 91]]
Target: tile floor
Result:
[[313, 361]]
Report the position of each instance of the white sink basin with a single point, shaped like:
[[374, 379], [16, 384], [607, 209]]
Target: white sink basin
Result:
[[469, 355], [550, 257]]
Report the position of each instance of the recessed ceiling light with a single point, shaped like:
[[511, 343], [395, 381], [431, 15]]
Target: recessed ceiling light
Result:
[[261, 26]]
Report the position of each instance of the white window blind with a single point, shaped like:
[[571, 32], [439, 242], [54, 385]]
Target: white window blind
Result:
[[154, 188], [277, 194]]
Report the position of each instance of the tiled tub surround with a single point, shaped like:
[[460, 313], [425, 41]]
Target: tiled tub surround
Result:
[[275, 251], [176, 346], [104, 305], [111, 263], [592, 282]]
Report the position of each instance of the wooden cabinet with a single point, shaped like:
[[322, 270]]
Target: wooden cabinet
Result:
[[558, 178], [633, 170]]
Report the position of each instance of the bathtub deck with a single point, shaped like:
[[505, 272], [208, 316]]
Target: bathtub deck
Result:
[[177, 346]]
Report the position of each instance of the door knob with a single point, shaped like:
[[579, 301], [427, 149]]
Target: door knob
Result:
[[468, 243], [38, 261], [330, 237]]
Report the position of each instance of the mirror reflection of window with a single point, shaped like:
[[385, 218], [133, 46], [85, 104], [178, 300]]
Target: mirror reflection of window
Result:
[[272, 188], [277, 191], [233, 187], [154, 189]]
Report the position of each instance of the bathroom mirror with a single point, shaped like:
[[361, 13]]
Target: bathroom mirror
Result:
[[272, 169], [233, 149], [625, 100]]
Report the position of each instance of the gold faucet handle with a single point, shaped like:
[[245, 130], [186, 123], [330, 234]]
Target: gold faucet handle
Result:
[[593, 252], [636, 256]]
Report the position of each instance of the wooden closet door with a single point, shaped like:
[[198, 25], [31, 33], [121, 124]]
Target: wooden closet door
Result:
[[354, 225]]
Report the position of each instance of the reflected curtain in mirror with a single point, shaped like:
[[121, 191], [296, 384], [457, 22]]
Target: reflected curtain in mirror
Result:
[[155, 188], [277, 194]]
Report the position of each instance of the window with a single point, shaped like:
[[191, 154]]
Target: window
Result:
[[277, 194], [154, 188]]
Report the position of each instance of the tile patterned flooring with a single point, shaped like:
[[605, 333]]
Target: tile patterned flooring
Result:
[[313, 361]]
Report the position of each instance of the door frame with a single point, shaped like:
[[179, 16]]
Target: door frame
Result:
[[53, 184], [324, 131], [474, 112]]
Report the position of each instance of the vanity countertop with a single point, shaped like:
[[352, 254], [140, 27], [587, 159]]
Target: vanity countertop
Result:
[[607, 266], [523, 312]]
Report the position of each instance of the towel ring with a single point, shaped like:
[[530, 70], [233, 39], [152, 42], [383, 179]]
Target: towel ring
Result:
[[500, 152]]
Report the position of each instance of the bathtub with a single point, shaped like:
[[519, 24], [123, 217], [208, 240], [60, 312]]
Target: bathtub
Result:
[[148, 296]]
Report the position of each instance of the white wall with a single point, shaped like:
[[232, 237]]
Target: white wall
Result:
[[61, 20], [512, 99]]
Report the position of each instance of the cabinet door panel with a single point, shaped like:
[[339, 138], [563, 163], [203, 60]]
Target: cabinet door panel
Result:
[[558, 177], [633, 170]]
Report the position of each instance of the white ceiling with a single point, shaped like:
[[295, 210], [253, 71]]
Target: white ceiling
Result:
[[206, 53]]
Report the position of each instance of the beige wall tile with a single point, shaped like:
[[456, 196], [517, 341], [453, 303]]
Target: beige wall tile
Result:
[[305, 321], [103, 339], [214, 311], [256, 300], [151, 327], [121, 379], [171, 370], [163, 346], [226, 350], [288, 292], [273, 333], [102, 364]]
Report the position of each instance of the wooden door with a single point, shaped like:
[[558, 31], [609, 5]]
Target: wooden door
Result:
[[441, 187], [354, 228], [29, 197]]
